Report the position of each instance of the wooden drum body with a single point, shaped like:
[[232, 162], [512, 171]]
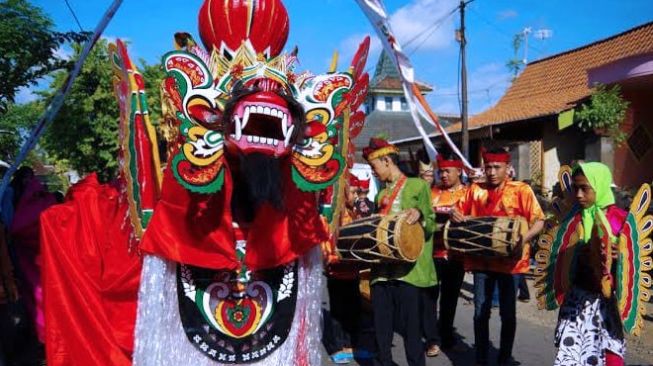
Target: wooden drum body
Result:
[[485, 236], [379, 239]]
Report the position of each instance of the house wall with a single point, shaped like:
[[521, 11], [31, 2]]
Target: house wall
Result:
[[629, 170], [559, 148]]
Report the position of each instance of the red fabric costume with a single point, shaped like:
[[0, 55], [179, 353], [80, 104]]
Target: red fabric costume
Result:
[[197, 229], [509, 199], [90, 276]]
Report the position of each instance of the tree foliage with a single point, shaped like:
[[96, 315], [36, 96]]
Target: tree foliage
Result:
[[85, 131], [153, 76], [605, 112], [14, 124], [28, 48], [515, 64]]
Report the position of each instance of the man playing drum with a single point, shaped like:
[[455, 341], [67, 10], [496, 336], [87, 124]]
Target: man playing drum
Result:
[[449, 267], [498, 196], [395, 287]]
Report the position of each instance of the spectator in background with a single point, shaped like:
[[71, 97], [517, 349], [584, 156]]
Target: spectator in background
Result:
[[30, 199], [427, 173], [364, 207]]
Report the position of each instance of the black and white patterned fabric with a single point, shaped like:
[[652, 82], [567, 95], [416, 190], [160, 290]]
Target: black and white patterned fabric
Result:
[[588, 326]]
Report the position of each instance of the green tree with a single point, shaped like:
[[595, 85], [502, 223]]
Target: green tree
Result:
[[85, 131], [515, 64], [28, 48], [604, 112], [153, 75], [14, 125]]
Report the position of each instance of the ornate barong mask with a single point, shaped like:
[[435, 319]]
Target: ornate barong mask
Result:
[[243, 96]]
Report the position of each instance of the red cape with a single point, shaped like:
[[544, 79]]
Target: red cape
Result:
[[90, 280]]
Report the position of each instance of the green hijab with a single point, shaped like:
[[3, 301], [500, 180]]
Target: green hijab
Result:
[[600, 178]]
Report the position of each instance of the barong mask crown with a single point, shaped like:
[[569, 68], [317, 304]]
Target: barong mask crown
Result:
[[244, 95]]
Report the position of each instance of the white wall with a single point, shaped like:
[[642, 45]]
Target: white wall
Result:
[[396, 104]]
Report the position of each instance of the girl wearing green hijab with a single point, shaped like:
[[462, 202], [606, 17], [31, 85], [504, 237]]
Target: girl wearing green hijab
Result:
[[589, 331]]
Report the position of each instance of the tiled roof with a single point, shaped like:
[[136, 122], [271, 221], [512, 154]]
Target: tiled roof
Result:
[[386, 76], [554, 84], [396, 126], [392, 83]]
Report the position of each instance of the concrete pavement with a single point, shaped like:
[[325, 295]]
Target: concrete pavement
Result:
[[533, 342]]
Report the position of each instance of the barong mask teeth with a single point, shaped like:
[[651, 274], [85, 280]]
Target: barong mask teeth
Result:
[[245, 95]]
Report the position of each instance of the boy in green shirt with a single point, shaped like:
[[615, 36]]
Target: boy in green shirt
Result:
[[395, 287]]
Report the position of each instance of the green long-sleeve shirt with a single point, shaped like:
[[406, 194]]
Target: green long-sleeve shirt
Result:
[[414, 194]]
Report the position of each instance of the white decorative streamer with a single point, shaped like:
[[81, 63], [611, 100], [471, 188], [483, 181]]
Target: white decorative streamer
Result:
[[377, 15]]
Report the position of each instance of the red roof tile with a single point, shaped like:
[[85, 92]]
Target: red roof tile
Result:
[[554, 84]]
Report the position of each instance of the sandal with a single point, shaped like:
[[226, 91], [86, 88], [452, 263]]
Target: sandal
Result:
[[433, 351]]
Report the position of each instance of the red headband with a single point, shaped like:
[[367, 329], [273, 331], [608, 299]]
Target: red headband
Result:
[[444, 163], [496, 157], [354, 181]]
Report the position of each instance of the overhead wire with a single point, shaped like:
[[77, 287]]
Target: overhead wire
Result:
[[435, 28], [431, 28], [501, 31], [70, 8]]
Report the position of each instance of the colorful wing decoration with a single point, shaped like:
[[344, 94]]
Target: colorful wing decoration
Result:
[[350, 122], [635, 245], [331, 102], [557, 247], [140, 167]]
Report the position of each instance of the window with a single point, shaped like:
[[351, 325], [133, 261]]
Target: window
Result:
[[388, 103], [404, 104], [640, 142]]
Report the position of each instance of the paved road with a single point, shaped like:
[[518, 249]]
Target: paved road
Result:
[[534, 340]]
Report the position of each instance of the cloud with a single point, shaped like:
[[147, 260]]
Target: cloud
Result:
[[63, 52], [413, 20], [507, 14], [26, 95], [428, 20], [349, 46]]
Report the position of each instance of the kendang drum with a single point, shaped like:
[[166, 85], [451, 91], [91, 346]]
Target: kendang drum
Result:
[[485, 236], [379, 239]]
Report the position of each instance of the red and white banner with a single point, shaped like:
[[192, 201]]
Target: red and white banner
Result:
[[376, 13]]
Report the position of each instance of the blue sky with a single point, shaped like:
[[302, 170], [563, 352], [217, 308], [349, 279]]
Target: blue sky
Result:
[[320, 27]]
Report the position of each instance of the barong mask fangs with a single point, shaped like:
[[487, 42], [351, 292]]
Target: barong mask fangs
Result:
[[244, 96]]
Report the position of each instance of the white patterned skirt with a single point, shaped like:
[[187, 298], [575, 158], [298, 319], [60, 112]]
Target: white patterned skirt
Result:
[[588, 326]]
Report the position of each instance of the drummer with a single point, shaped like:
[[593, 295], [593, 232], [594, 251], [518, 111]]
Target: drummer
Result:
[[341, 323], [395, 287], [498, 196], [444, 196]]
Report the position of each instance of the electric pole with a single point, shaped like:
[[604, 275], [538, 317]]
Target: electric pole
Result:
[[463, 78]]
